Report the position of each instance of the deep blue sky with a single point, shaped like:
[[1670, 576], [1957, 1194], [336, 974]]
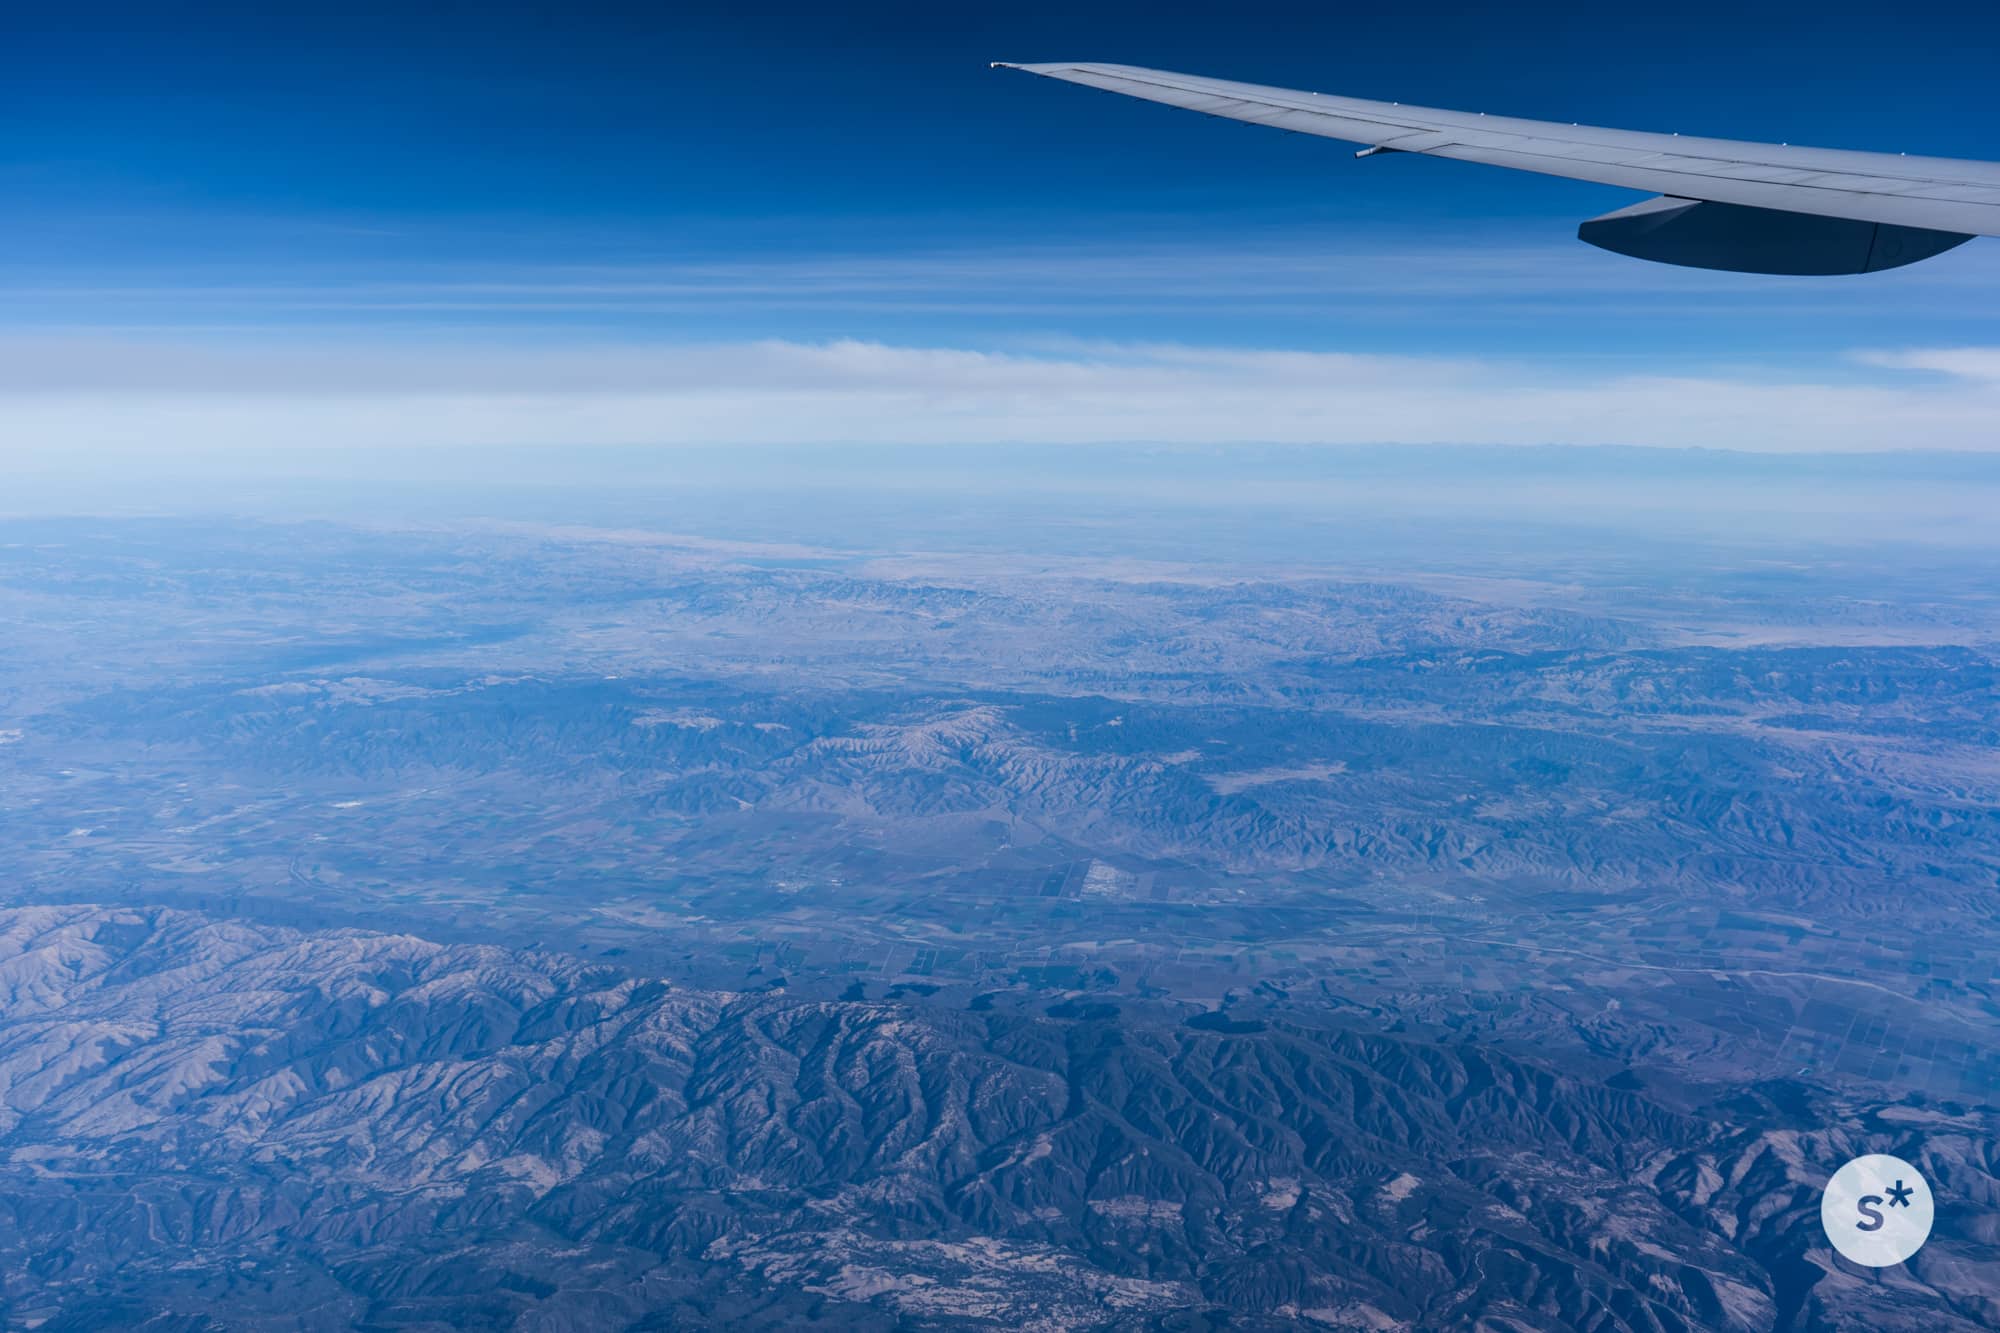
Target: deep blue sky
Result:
[[663, 114], [661, 173]]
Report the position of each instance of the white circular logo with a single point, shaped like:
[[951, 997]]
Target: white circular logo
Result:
[[1877, 1210]]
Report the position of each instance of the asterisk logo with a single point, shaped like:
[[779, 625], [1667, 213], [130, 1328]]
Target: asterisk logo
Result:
[[1899, 1195]]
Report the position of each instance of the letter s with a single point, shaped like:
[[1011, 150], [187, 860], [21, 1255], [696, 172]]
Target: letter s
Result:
[[1866, 1205]]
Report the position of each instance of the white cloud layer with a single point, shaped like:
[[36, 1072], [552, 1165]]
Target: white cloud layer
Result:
[[59, 397], [1972, 363]]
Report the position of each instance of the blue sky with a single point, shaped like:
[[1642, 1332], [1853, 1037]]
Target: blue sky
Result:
[[613, 209]]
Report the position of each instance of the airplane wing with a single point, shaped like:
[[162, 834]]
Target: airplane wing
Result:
[[1749, 207]]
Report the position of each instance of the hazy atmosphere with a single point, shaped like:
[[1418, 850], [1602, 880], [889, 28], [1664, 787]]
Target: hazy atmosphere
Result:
[[311, 229]]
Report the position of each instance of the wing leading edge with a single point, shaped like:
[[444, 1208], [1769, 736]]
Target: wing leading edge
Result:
[[1764, 208]]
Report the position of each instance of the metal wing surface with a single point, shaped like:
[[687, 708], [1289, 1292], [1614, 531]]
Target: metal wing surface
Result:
[[1757, 202]]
